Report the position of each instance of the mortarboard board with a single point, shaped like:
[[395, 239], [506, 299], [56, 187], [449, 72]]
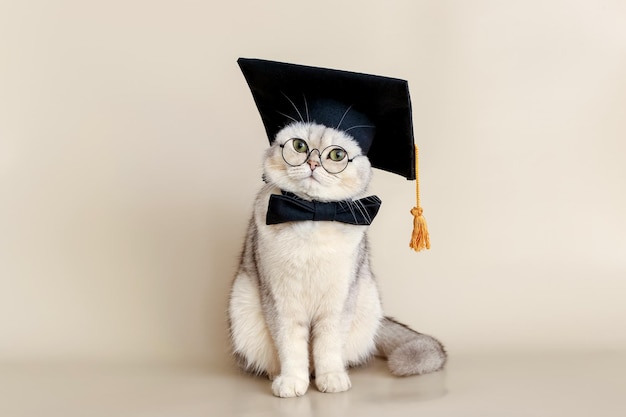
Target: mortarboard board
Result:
[[373, 109]]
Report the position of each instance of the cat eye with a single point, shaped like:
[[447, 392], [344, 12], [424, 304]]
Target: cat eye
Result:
[[337, 154], [333, 159], [299, 145]]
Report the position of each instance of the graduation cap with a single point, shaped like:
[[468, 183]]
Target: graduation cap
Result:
[[374, 110]]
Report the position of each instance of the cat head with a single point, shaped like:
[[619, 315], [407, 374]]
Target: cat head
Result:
[[311, 180]]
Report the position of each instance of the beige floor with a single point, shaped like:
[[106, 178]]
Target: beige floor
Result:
[[590, 384]]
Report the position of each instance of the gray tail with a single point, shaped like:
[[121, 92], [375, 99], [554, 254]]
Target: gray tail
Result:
[[407, 351]]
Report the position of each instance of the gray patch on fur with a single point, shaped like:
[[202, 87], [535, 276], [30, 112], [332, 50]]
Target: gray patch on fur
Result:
[[409, 352]]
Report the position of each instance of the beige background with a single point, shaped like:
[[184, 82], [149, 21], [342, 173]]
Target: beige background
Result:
[[130, 154]]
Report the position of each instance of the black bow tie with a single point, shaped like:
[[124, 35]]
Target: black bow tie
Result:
[[289, 208]]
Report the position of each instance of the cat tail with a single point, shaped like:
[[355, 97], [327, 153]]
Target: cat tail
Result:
[[407, 351]]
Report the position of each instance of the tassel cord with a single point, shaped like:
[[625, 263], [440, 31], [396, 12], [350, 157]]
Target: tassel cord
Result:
[[420, 239]]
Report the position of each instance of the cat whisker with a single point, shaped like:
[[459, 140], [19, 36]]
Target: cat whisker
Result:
[[287, 116], [349, 203], [294, 106], [343, 117], [306, 107], [357, 126], [361, 208], [298, 172], [373, 198]]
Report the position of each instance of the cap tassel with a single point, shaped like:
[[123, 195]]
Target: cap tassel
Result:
[[420, 239]]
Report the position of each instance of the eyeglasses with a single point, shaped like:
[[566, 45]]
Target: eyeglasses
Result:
[[334, 159]]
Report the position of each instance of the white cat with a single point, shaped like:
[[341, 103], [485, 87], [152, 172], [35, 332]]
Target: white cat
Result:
[[304, 301]]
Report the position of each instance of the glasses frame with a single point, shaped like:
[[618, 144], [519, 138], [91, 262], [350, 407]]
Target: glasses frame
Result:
[[308, 155]]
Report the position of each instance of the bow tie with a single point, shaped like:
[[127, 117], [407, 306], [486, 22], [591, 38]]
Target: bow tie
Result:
[[289, 208]]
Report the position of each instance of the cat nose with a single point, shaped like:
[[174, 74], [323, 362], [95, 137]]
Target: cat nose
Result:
[[314, 160], [313, 164]]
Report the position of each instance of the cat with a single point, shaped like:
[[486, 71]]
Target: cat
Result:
[[304, 300]]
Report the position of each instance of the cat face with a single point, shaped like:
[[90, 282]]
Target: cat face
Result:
[[311, 180]]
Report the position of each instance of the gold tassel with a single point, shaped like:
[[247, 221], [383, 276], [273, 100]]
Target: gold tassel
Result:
[[420, 239]]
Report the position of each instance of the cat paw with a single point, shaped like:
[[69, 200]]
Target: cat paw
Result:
[[289, 386], [333, 382]]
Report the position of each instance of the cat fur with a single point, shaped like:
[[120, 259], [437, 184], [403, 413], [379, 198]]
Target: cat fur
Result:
[[304, 300]]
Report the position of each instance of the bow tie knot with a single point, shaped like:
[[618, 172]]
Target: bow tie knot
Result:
[[324, 211], [288, 207]]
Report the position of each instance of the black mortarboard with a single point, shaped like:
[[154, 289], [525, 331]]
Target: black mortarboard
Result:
[[375, 110]]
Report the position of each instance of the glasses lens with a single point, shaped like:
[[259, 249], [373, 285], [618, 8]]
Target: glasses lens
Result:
[[334, 159], [295, 152]]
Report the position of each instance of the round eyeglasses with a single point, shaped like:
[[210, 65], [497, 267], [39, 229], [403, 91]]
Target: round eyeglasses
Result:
[[334, 159]]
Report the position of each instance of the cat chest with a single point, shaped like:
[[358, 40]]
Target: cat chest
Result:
[[310, 237], [315, 249]]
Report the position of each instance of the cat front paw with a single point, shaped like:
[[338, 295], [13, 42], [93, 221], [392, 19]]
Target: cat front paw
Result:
[[333, 382], [286, 386]]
